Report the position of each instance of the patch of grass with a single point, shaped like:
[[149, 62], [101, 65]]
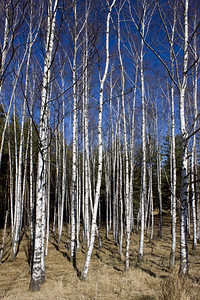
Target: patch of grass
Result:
[[179, 287]]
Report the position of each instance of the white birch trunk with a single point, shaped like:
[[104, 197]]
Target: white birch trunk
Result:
[[4, 52], [3, 60], [38, 268], [63, 167], [31, 205], [24, 189], [193, 193], [196, 124], [114, 150], [184, 175], [78, 202], [172, 154], [117, 179], [88, 191], [143, 192], [132, 149], [121, 206], [173, 182], [17, 215], [107, 182], [11, 187], [127, 197], [159, 178], [74, 147], [58, 198], [84, 166], [99, 176], [20, 159], [151, 191], [194, 155], [48, 187], [111, 161], [4, 235]]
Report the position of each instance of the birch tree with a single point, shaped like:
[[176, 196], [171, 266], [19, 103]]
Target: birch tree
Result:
[[143, 192], [18, 193], [171, 39], [76, 36], [173, 157], [196, 123], [99, 174], [74, 144], [38, 267], [86, 167], [63, 195], [184, 135], [143, 27], [127, 190], [194, 191]]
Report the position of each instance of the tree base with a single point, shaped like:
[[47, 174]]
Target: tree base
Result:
[[83, 277], [159, 234], [183, 270], [172, 261], [13, 256], [43, 279], [126, 267], [140, 258], [194, 247], [35, 285]]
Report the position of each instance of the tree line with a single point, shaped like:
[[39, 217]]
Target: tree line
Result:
[[99, 123]]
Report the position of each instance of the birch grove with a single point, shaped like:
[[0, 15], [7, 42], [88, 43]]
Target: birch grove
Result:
[[99, 126]]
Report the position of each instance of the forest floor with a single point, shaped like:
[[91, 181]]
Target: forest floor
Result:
[[107, 280]]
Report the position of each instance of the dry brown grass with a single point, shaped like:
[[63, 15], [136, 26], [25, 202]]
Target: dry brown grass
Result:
[[148, 280], [179, 287]]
